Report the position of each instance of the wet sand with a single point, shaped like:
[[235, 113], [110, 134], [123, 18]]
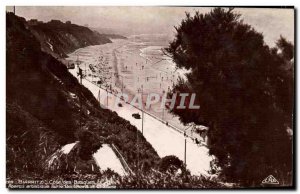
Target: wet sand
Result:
[[133, 65]]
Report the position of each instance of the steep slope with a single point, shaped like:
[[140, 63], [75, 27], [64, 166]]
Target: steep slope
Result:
[[62, 38], [43, 110]]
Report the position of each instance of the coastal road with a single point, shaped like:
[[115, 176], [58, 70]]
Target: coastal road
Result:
[[165, 140]]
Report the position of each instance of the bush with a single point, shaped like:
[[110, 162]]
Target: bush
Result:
[[89, 143], [170, 164], [245, 91]]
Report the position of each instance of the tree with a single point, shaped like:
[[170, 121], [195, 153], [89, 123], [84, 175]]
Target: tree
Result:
[[89, 143], [245, 91], [170, 164]]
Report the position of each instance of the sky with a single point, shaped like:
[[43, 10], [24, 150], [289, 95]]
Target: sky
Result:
[[137, 20]]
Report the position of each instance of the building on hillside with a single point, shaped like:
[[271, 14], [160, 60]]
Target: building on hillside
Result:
[[33, 22]]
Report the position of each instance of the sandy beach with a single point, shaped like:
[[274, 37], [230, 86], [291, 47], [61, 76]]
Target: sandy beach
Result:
[[132, 66]]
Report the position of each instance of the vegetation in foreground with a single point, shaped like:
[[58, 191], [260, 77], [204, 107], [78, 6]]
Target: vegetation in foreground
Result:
[[174, 177], [43, 114], [245, 90], [43, 109]]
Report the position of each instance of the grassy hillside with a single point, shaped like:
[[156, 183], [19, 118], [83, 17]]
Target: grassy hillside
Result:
[[62, 38], [43, 114]]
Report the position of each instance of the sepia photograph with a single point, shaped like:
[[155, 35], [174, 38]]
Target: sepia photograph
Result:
[[150, 97]]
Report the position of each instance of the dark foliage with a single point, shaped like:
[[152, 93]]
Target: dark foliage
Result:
[[42, 115], [124, 136], [66, 38], [158, 180], [170, 164], [28, 142], [89, 144], [245, 92]]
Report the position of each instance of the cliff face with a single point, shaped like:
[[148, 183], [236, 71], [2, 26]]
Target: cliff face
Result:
[[60, 38], [43, 104]]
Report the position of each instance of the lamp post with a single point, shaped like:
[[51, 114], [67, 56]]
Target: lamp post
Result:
[[185, 156], [185, 147], [142, 109], [163, 110]]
